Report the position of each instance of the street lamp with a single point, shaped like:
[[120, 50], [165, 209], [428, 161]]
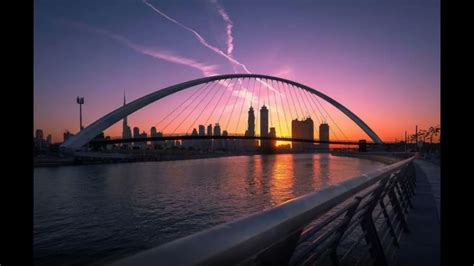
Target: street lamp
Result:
[[80, 101]]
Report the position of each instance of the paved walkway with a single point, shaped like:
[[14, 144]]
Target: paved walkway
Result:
[[422, 245], [433, 175]]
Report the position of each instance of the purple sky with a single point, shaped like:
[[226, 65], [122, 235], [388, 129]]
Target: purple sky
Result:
[[381, 59]]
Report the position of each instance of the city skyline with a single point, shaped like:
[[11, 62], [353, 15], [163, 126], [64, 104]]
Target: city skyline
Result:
[[360, 69]]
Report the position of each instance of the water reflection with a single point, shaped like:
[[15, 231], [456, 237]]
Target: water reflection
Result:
[[102, 212], [323, 170], [282, 179]]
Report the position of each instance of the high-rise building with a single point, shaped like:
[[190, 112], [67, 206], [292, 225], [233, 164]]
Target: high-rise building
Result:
[[49, 139], [273, 135], [209, 141], [203, 142], [143, 135], [209, 130], [136, 132], [303, 129], [153, 133], [324, 136], [202, 130], [265, 144], [39, 134], [126, 132], [225, 141], [125, 122], [160, 143], [250, 123], [217, 132], [250, 132], [194, 142]]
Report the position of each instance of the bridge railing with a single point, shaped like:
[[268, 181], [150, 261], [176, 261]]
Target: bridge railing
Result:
[[323, 226]]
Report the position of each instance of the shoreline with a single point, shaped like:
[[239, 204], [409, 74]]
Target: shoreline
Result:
[[384, 157], [56, 161]]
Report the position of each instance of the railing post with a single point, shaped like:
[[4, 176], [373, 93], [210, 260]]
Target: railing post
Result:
[[370, 231], [389, 222], [342, 228], [397, 208], [405, 188]]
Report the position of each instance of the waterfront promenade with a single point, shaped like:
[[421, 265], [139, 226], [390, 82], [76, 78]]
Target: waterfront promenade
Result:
[[422, 245]]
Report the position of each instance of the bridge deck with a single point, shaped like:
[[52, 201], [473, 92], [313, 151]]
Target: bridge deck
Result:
[[422, 245]]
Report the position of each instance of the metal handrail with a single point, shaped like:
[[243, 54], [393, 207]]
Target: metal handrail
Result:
[[241, 240]]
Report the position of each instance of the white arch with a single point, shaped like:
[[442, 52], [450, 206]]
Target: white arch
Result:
[[88, 133]]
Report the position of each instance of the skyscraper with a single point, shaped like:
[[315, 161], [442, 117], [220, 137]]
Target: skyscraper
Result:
[[136, 132], [251, 123], [202, 142], [202, 130], [303, 129], [225, 141], [250, 132], [209, 130], [39, 134], [153, 133], [143, 135], [126, 132], [217, 132], [125, 127], [209, 133], [272, 142], [265, 144], [324, 136]]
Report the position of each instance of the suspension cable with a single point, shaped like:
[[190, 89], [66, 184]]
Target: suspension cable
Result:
[[218, 101], [242, 106], [193, 109], [182, 112], [227, 102], [278, 113]]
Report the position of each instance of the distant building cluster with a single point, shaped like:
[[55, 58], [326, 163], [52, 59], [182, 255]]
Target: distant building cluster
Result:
[[300, 129], [41, 144], [303, 130]]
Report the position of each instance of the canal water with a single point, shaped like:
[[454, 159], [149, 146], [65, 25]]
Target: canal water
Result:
[[95, 214]]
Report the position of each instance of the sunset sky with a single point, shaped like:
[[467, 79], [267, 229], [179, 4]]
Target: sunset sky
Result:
[[381, 59]]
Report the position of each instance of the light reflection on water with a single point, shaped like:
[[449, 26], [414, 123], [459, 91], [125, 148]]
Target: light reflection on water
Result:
[[97, 213]]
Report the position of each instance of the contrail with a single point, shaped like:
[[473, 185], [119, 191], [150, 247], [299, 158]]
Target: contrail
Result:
[[230, 24], [199, 37], [207, 70], [213, 48]]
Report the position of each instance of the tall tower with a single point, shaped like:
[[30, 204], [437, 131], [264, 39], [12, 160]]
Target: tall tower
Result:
[[324, 136], [251, 123], [125, 123], [265, 144]]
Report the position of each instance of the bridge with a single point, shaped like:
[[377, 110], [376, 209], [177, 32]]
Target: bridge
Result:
[[106, 141], [208, 99]]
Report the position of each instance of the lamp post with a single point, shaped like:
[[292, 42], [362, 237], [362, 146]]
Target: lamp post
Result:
[[80, 101]]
